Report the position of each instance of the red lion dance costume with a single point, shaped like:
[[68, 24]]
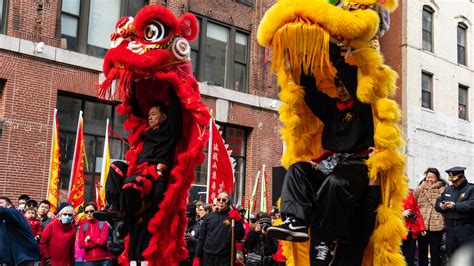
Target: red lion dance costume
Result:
[[151, 53]]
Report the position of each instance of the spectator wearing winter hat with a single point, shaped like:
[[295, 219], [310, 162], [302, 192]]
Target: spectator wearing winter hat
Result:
[[93, 236], [17, 243], [57, 241]]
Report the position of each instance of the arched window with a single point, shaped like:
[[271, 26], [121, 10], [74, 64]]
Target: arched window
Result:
[[427, 28], [461, 41]]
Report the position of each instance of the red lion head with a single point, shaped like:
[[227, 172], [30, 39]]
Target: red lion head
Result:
[[150, 53]]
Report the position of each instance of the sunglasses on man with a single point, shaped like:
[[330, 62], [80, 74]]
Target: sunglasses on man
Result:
[[222, 200]]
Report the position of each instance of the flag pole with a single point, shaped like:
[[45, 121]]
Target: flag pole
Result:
[[73, 159], [209, 157], [52, 150]]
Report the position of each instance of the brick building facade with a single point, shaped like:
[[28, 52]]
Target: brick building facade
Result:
[[65, 73]]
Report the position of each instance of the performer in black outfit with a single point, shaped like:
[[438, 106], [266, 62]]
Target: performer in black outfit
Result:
[[456, 203], [135, 198], [333, 197]]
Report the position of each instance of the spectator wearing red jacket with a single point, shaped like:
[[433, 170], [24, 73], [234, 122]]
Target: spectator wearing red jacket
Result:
[[415, 227], [57, 241], [35, 223], [93, 236]]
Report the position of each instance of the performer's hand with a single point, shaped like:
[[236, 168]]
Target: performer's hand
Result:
[[87, 239], [234, 214], [423, 233], [406, 213], [335, 54], [197, 262]]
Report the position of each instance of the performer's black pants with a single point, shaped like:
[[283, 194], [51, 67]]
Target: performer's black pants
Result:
[[129, 200], [340, 206]]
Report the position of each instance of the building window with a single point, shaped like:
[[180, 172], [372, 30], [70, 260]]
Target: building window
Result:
[[220, 55], [427, 28], [463, 102], [70, 14], [427, 90], [462, 28], [237, 140], [95, 115], [87, 24], [3, 15]]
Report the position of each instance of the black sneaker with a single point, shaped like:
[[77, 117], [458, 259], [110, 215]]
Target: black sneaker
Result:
[[109, 215], [325, 253], [290, 230]]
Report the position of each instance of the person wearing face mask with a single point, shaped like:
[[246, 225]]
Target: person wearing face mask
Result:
[[22, 202], [426, 193], [456, 203], [215, 244], [57, 242]]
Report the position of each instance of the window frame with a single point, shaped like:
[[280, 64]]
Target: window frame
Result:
[[463, 27], [430, 11], [201, 55], [82, 45], [430, 75], [466, 104], [96, 153], [4, 17]]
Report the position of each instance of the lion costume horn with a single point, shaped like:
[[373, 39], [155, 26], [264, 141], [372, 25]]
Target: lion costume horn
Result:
[[299, 32]]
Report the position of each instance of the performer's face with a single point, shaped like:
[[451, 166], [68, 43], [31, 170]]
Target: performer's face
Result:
[[342, 93], [155, 117]]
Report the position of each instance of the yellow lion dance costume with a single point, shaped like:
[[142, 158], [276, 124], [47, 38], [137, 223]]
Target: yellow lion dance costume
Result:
[[299, 32]]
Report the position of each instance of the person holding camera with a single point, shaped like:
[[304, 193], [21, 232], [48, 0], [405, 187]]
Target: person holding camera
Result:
[[260, 246], [415, 227]]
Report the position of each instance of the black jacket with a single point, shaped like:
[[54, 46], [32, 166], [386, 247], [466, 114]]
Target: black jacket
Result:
[[160, 143], [463, 197], [345, 131], [216, 233]]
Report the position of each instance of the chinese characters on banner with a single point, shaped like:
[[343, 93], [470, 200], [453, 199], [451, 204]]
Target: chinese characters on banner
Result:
[[220, 169]]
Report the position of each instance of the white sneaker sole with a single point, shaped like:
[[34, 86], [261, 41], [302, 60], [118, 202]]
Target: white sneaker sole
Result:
[[285, 234]]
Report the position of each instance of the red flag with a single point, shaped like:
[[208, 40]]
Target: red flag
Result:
[[76, 183], [220, 168]]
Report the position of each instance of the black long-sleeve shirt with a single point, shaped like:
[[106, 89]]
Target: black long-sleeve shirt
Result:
[[216, 234], [350, 130], [160, 143]]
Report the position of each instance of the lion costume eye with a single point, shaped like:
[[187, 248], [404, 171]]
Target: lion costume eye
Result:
[[336, 2], [155, 31]]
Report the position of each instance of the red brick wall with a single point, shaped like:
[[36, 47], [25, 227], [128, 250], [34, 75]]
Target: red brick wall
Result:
[[29, 99], [35, 20]]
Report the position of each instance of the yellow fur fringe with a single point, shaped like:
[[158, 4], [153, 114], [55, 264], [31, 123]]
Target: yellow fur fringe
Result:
[[298, 31]]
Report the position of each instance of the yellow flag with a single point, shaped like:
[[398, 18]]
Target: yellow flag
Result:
[[54, 166]]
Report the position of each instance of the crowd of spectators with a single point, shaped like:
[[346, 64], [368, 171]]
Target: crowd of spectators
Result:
[[439, 219], [32, 235]]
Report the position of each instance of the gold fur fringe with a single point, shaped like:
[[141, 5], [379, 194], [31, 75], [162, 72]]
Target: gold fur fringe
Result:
[[298, 32]]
